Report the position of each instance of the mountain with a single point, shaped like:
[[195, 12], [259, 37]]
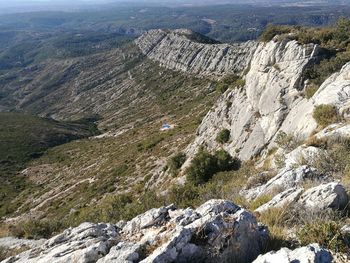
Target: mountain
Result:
[[194, 134]]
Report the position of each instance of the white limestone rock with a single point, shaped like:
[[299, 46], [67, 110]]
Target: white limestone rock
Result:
[[83, 244], [302, 155], [283, 199], [256, 113], [334, 131], [309, 254], [175, 50], [332, 195], [285, 179], [216, 231], [199, 234]]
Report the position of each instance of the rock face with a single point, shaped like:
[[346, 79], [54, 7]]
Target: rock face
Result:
[[272, 98], [309, 254], [176, 50], [255, 113], [214, 232]]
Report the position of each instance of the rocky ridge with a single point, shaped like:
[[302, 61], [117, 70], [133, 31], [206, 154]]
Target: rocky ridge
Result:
[[175, 50]]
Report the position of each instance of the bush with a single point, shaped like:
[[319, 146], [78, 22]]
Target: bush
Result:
[[223, 136], [184, 196], [328, 234], [225, 162], [204, 165], [325, 115], [286, 141], [273, 30], [221, 88], [311, 90], [35, 229], [202, 168], [175, 162]]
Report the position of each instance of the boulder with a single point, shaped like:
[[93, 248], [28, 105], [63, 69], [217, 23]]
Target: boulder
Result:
[[302, 155], [283, 199], [331, 195], [285, 179], [309, 254], [334, 131]]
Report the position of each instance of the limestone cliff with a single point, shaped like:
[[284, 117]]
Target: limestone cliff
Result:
[[176, 50], [269, 102]]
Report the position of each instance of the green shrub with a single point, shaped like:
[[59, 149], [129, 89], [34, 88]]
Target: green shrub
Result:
[[184, 196], [325, 115], [175, 162], [273, 30], [286, 141], [223, 136], [328, 234], [239, 82], [202, 168], [36, 229], [221, 88], [204, 165], [225, 162]]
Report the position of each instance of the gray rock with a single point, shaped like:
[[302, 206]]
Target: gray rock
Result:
[[262, 106], [12, 242], [302, 155], [331, 195], [334, 131], [83, 244], [175, 50], [310, 254], [283, 199], [285, 179], [216, 231]]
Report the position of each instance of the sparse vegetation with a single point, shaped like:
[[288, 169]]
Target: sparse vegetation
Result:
[[223, 136], [325, 115], [175, 162], [310, 90], [326, 233], [286, 141], [35, 229]]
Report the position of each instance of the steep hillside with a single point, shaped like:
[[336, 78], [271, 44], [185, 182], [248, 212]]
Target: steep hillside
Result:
[[267, 144], [24, 138], [130, 98]]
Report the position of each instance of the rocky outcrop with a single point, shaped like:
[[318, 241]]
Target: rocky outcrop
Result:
[[176, 50], [332, 195], [301, 155], [85, 243], [214, 232], [255, 113], [285, 179], [310, 254], [283, 199]]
